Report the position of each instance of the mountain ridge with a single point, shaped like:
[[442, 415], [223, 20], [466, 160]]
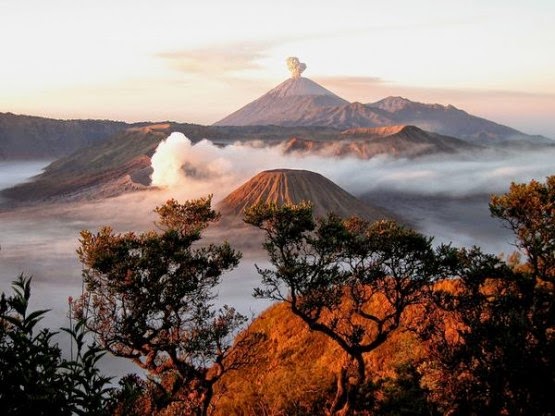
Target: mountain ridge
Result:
[[24, 137], [303, 108], [397, 141]]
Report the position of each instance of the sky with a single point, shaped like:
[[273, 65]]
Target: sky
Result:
[[198, 61]]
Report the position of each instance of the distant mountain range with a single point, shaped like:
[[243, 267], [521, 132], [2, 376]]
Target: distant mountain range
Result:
[[302, 102], [296, 105]]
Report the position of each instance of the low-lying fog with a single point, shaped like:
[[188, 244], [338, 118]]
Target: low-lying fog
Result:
[[444, 198], [15, 172]]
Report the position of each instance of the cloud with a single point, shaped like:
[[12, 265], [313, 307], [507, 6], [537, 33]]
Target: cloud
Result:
[[350, 81], [178, 164], [220, 59]]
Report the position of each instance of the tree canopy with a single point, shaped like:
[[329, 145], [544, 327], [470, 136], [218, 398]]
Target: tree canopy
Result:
[[347, 278], [149, 297]]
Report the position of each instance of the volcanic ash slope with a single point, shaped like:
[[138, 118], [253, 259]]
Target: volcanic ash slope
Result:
[[282, 186]]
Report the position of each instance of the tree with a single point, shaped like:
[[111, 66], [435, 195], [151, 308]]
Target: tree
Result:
[[529, 211], [474, 336], [499, 357], [348, 279], [149, 297], [34, 379], [404, 395], [30, 377]]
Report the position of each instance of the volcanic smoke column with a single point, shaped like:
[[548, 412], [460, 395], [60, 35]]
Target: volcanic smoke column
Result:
[[295, 66]]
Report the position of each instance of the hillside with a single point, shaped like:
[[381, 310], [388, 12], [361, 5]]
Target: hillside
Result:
[[295, 369], [396, 141], [94, 171], [27, 137], [122, 163]]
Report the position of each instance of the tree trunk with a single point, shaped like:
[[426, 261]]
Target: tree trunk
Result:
[[340, 400], [347, 392], [206, 399]]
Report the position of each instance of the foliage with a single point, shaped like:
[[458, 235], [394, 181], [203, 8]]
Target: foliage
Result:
[[403, 395], [319, 264], [499, 356], [529, 211], [473, 335], [34, 379], [294, 370], [30, 380], [89, 389], [149, 297], [131, 399], [405, 328]]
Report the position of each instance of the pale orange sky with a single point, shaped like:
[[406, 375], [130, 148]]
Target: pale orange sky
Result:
[[198, 61]]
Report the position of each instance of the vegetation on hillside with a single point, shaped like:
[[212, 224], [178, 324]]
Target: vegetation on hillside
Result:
[[370, 319], [149, 298], [347, 279]]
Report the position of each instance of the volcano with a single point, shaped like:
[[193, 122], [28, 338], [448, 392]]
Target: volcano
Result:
[[286, 104], [301, 102], [281, 186]]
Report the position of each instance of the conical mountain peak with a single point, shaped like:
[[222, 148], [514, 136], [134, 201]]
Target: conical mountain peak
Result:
[[284, 105], [282, 186], [295, 87]]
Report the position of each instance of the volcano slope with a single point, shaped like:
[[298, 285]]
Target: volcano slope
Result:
[[288, 104], [282, 186]]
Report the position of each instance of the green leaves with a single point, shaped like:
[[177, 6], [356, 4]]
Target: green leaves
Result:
[[289, 222], [149, 298], [34, 379], [88, 389], [189, 218]]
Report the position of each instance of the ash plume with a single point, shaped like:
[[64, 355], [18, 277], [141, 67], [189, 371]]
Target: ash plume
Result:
[[295, 66]]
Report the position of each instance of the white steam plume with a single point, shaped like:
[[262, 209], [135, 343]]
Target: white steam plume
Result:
[[295, 66], [204, 168]]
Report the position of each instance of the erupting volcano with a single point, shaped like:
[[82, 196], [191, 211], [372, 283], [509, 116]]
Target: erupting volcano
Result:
[[287, 103]]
